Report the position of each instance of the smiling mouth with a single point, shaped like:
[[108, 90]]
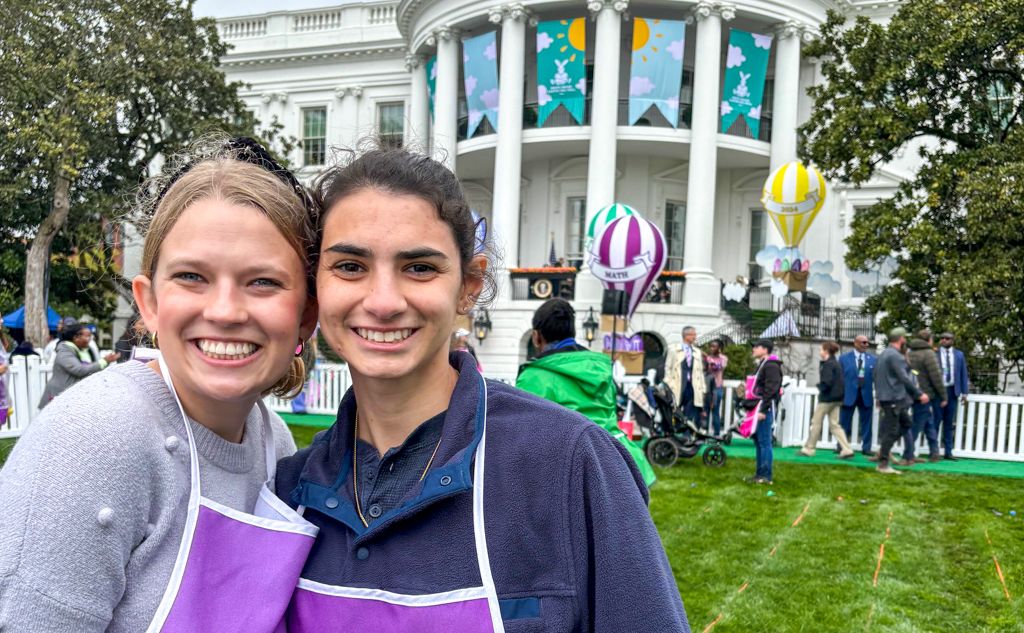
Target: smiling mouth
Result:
[[384, 336], [226, 350]]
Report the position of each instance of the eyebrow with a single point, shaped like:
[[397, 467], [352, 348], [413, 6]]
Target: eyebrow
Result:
[[254, 269], [422, 252]]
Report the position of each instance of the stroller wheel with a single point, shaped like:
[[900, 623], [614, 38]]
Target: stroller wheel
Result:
[[662, 452], [714, 456]]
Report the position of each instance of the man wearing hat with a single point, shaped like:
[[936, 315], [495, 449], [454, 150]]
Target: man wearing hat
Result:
[[954, 377], [896, 392]]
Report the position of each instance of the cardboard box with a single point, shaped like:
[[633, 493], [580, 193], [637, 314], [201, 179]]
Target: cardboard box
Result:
[[621, 324], [632, 361]]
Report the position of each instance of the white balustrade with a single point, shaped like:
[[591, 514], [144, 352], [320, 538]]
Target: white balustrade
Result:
[[319, 21], [383, 14], [239, 29]]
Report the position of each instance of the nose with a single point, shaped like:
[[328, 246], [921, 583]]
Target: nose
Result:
[[226, 305], [385, 299]]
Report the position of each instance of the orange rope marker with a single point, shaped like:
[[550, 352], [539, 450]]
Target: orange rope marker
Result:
[[772, 553], [708, 628], [743, 587], [881, 551], [801, 517], [999, 570]]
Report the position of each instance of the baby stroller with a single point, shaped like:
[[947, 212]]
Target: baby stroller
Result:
[[669, 435]]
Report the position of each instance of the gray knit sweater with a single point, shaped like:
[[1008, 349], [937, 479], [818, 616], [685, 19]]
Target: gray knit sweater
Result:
[[114, 443]]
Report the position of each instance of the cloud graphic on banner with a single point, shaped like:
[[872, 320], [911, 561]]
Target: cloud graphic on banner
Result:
[[726, 108], [581, 85], [673, 102], [465, 56], [470, 85], [433, 71], [474, 117], [755, 113], [543, 41], [734, 292], [543, 98], [735, 58], [762, 41], [490, 99], [676, 49], [491, 52], [640, 86]]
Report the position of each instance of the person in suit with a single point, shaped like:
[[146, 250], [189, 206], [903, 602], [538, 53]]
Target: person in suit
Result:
[[858, 391], [684, 374], [954, 377]]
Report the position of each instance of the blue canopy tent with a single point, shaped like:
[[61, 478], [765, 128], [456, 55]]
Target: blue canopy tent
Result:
[[16, 319]]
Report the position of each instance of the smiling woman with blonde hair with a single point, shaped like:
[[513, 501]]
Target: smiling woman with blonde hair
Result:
[[138, 501]]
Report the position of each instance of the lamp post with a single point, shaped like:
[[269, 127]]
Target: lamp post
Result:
[[590, 326], [482, 325]]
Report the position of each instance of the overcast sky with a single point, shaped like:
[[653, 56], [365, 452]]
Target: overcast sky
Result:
[[228, 8]]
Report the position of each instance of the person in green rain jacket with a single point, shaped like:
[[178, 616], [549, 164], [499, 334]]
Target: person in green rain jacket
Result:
[[569, 374]]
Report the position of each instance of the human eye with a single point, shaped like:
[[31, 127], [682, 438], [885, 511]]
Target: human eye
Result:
[[348, 268], [421, 270], [264, 282], [187, 277]]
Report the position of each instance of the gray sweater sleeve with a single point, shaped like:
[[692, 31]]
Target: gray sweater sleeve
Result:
[[75, 496]]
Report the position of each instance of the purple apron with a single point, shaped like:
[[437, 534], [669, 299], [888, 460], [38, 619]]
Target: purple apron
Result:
[[318, 607], [235, 571]]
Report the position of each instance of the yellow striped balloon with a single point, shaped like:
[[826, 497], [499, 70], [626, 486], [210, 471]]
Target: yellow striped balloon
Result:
[[792, 196]]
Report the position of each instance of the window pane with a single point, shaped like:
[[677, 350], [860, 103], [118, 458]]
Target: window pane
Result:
[[391, 123], [758, 235], [314, 136], [675, 230], [577, 229]]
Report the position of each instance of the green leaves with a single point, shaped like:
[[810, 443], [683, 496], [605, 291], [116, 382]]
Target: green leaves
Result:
[[948, 77]]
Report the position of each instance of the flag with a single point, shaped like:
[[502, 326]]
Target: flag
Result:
[[746, 66], [656, 74]]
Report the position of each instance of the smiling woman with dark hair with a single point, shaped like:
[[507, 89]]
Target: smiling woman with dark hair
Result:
[[440, 507]]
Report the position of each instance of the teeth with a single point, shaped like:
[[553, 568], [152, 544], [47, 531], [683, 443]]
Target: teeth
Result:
[[391, 336], [226, 351]]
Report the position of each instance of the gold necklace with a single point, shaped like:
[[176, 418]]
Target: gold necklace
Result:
[[355, 468]]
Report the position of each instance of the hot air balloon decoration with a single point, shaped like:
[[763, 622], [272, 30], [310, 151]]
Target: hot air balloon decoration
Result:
[[793, 195], [629, 254], [603, 218]]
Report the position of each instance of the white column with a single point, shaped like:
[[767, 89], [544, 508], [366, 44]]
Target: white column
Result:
[[702, 287], [348, 114], [784, 103], [446, 96], [508, 156], [604, 108], [419, 105]]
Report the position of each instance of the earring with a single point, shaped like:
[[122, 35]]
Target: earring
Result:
[[299, 348], [155, 344]]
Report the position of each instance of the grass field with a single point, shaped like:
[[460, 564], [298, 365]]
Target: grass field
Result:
[[836, 548], [842, 549]]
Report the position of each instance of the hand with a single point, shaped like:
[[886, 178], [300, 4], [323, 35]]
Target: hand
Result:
[[963, 399], [3, 369], [761, 416], [924, 398], [944, 403], [112, 356]]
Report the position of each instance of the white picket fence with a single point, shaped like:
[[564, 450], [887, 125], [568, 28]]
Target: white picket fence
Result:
[[988, 426]]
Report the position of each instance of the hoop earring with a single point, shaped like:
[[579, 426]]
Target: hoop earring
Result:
[[300, 348], [155, 344]]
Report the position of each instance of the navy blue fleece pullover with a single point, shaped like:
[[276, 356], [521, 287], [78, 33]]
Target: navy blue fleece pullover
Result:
[[571, 542]]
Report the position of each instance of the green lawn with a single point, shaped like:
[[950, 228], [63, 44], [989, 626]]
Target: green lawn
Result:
[[805, 557], [744, 562]]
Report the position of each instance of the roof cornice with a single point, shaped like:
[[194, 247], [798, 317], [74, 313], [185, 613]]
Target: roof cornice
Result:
[[396, 48]]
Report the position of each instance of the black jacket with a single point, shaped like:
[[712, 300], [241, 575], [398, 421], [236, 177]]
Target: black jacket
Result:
[[768, 383], [830, 381]]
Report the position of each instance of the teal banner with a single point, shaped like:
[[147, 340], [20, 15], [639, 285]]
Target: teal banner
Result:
[[480, 69], [746, 66], [656, 75], [431, 81], [561, 73]]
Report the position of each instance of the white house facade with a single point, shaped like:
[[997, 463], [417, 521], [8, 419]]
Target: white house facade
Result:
[[331, 76]]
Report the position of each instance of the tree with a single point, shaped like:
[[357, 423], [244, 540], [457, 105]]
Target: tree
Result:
[[91, 92], [947, 76]]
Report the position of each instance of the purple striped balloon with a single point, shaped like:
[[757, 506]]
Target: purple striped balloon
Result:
[[629, 254]]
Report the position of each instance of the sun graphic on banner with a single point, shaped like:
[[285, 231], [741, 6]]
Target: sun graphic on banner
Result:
[[642, 35], [577, 34]]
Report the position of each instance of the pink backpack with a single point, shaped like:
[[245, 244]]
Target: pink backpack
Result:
[[749, 424]]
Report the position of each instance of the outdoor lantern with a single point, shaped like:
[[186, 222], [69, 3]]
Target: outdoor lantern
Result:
[[482, 324], [590, 326]]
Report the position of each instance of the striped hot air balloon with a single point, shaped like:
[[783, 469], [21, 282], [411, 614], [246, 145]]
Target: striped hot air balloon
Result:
[[792, 196], [604, 217], [629, 254], [480, 223]]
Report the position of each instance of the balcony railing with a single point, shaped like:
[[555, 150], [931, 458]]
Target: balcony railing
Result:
[[668, 288], [541, 284]]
